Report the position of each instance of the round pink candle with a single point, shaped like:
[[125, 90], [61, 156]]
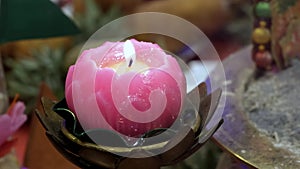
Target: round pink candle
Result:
[[131, 87]]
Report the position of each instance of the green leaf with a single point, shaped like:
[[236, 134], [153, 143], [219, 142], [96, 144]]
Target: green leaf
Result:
[[27, 19]]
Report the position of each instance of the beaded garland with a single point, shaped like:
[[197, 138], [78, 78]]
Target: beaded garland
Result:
[[261, 36]]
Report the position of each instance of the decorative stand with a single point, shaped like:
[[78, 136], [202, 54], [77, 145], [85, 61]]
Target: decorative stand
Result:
[[61, 128], [238, 136]]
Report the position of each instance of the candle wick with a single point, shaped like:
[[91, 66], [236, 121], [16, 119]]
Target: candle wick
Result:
[[129, 53], [130, 62]]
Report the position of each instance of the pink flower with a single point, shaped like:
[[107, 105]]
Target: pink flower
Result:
[[131, 89], [12, 121]]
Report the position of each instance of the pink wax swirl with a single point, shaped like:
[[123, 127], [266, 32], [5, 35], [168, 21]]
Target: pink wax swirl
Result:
[[131, 87]]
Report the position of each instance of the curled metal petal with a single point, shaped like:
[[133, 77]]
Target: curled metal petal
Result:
[[68, 137]]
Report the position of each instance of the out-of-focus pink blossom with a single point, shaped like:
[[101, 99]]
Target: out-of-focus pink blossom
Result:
[[12, 121]]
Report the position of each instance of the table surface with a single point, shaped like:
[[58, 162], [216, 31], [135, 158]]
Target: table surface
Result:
[[41, 154]]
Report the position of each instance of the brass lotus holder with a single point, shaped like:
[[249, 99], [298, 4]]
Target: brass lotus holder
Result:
[[68, 137]]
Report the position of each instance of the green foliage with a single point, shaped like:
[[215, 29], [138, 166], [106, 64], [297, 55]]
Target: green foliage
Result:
[[94, 18], [283, 5], [241, 28], [25, 75], [47, 65]]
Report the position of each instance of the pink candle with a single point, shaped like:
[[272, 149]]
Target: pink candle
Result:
[[130, 87]]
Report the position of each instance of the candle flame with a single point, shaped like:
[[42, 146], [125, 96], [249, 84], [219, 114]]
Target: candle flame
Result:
[[129, 53]]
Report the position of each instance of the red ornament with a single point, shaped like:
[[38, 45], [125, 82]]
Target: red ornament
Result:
[[263, 60]]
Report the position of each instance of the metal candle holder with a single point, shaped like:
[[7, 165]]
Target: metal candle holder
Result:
[[62, 130]]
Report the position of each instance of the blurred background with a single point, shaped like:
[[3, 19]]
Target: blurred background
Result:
[[31, 56]]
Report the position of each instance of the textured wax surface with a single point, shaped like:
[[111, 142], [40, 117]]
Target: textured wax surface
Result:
[[146, 95]]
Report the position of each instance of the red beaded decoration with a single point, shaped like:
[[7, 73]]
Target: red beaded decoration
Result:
[[263, 60]]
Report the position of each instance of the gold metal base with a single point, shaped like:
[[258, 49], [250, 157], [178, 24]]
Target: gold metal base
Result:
[[60, 129]]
